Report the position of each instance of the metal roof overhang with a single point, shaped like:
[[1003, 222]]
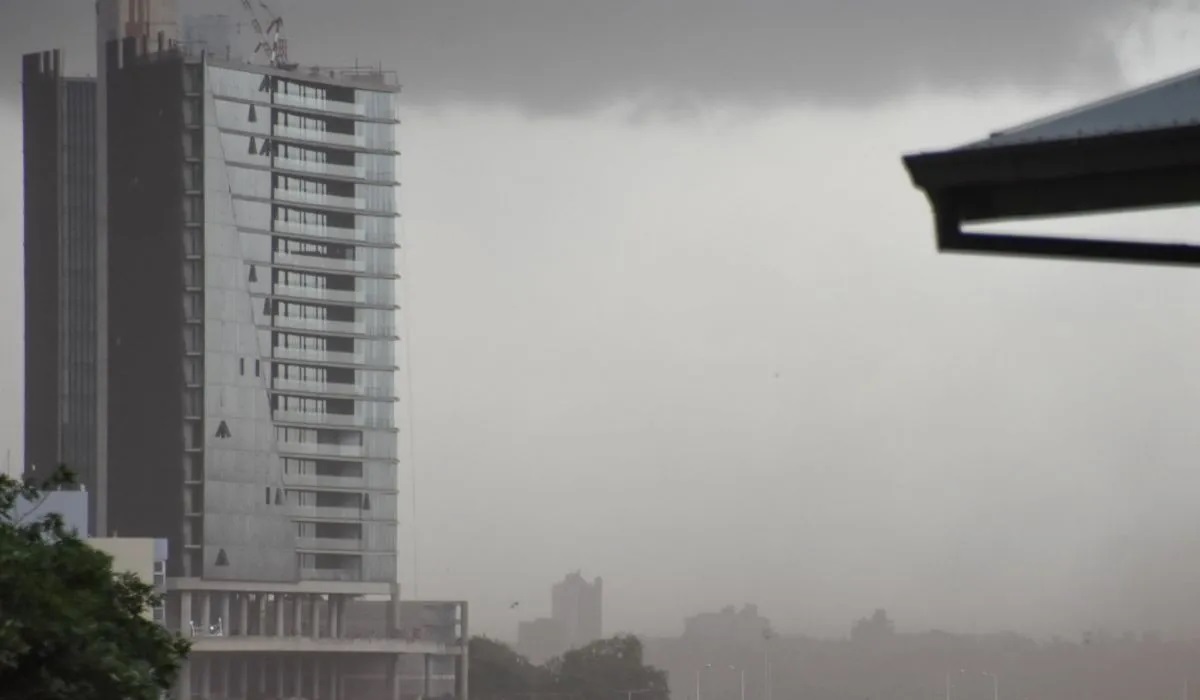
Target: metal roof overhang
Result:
[[1092, 174]]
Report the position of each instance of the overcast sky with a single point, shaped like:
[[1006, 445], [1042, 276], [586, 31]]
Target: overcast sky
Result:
[[677, 320]]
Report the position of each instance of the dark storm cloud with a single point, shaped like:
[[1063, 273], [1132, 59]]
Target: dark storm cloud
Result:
[[568, 55], [571, 55]]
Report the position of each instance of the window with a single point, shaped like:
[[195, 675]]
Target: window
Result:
[[193, 371], [257, 368], [193, 307], [192, 275], [252, 117], [193, 176], [192, 242], [193, 339], [242, 366], [192, 404], [193, 209]]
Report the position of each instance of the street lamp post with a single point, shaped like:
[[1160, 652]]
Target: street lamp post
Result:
[[948, 674], [995, 685], [698, 672], [742, 672]]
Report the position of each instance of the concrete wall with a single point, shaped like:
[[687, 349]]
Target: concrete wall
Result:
[[135, 555]]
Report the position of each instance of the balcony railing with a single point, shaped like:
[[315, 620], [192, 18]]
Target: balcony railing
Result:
[[336, 482], [331, 138], [330, 544], [334, 419], [341, 358], [325, 450], [380, 297], [370, 330], [329, 575], [354, 514], [333, 388], [319, 105], [308, 166], [320, 200]]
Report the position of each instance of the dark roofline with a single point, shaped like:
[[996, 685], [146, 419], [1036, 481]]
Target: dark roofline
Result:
[[1115, 172]]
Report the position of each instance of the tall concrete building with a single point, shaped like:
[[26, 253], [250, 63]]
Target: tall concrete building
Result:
[[578, 607], [59, 121], [247, 310]]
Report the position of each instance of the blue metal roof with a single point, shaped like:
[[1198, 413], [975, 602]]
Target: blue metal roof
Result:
[[1168, 103]]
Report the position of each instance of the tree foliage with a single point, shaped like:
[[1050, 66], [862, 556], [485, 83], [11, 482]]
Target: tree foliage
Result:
[[609, 669], [71, 628]]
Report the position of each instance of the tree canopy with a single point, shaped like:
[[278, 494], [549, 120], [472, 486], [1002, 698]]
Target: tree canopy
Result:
[[71, 628], [608, 669]]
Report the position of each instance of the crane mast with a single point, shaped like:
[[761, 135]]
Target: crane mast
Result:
[[271, 40]]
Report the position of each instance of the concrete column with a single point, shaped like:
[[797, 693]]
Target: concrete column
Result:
[[262, 676], [316, 616], [226, 675], [185, 614], [243, 614], [298, 689], [206, 611], [279, 691], [226, 623], [244, 680], [183, 683], [261, 602], [394, 676], [335, 679], [464, 661], [393, 623], [317, 663], [298, 615], [280, 601], [426, 672], [206, 678], [335, 616]]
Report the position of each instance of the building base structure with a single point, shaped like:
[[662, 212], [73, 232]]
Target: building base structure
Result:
[[275, 641]]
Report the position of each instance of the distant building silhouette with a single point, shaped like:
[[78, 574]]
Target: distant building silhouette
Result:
[[578, 607], [540, 640], [576, 620], [729, 626]]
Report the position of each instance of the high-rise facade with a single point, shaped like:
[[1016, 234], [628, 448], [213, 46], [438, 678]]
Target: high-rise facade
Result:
[[60, 267], [246, 329], [268, 374], [578, 607]]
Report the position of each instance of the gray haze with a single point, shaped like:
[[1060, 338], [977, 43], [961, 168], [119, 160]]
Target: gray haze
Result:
[[716, 359]]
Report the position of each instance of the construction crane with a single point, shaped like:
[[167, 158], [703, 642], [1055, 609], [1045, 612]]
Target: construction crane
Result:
[[271, 40]]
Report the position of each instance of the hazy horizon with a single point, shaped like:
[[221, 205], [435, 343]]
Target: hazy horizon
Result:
[[676, 317]]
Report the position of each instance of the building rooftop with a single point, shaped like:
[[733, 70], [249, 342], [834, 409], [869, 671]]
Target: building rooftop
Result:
[[1168, 103]]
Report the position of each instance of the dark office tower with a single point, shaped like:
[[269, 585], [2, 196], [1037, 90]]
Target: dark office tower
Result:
[[60, 267]]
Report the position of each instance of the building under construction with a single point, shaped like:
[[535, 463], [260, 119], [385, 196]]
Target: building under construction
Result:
[[244, 394]]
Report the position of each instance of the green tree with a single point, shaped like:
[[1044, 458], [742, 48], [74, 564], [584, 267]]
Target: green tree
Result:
[[71, 628], [611, 669], [497, 671]]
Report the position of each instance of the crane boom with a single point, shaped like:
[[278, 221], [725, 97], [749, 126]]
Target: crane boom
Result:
[[270, 40]]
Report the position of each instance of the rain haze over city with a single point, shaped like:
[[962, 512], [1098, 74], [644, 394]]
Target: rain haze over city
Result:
[[671, 315]]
